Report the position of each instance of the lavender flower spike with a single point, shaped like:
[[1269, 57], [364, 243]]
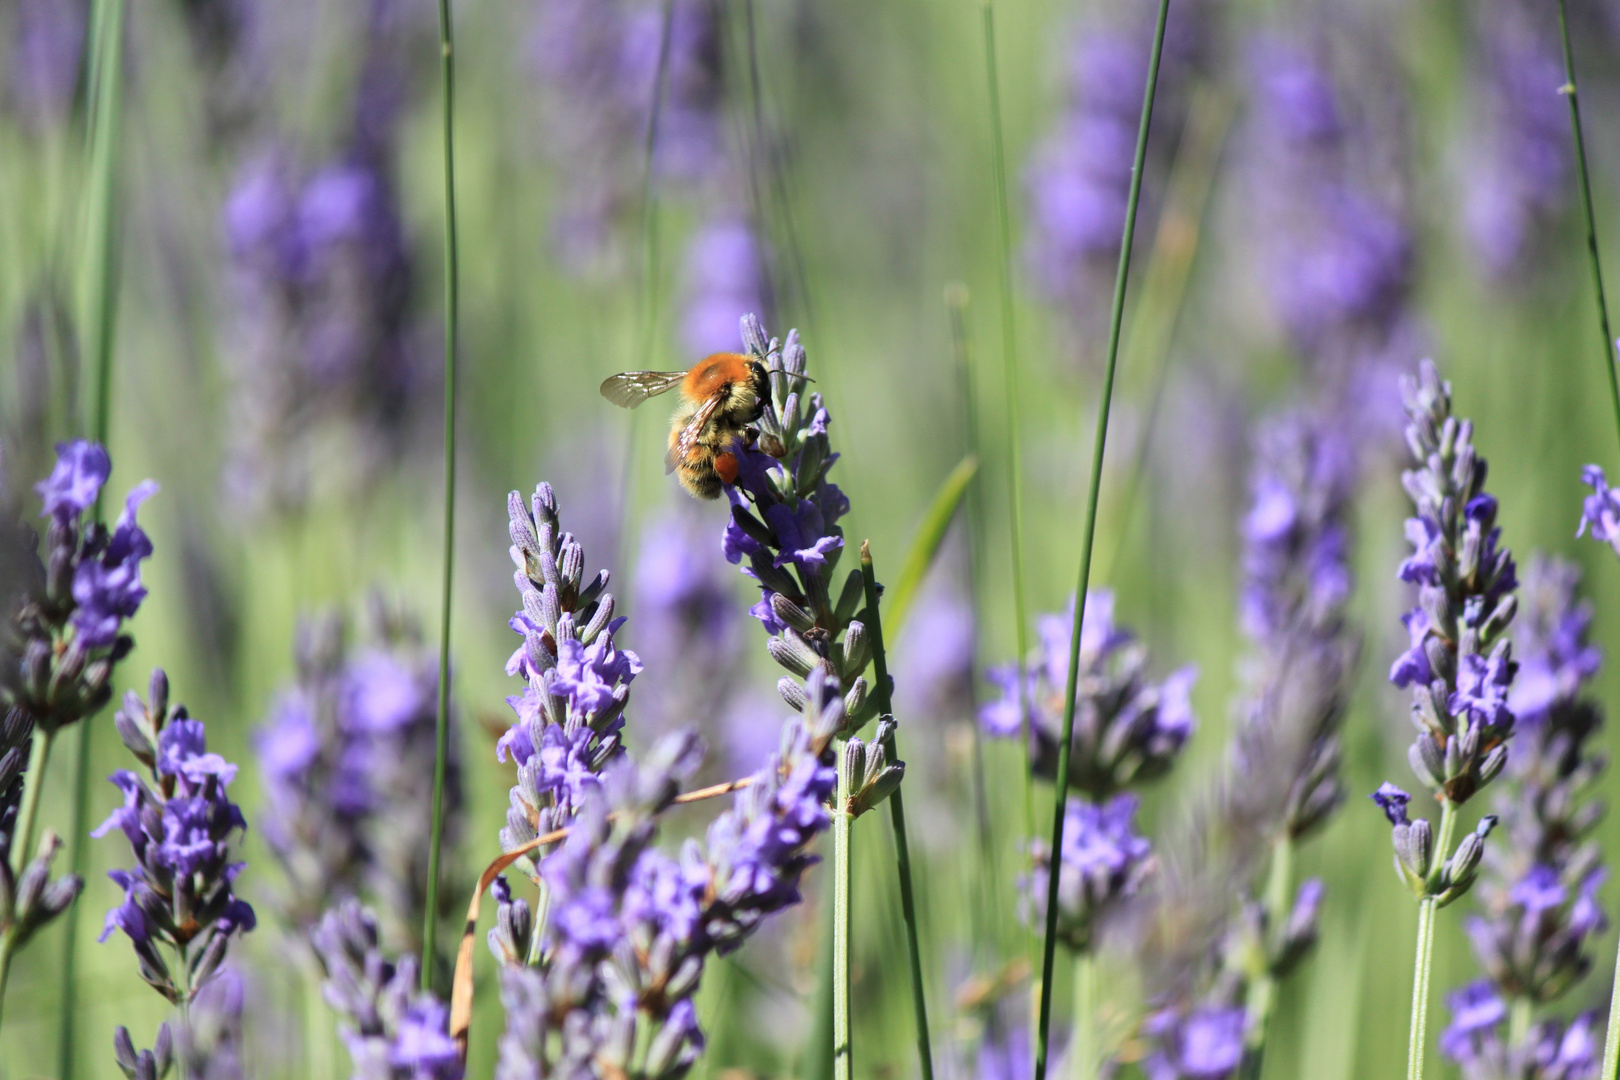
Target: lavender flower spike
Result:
[[393, 1031], [1460, 665], [1103, 861], [1537, 897], [1601, 511], [1127, 729], [62, 639], [784, 531], [571, 711], [180, 827]]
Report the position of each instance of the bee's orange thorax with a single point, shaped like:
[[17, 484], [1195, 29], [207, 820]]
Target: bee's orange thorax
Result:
[[713, 374]]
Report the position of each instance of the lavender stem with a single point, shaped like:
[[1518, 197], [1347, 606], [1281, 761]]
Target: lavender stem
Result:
[[22, 840], [1099, 445], [441, 748], [1262, 996], [843, 1050], [1083, 1051], [897, 816], [1418, 1034]]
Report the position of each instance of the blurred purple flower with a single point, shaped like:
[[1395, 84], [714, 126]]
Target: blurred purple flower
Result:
[[1127, 730], [1103, 862], [1601, 510], [47, 52], [1204, 1044], [725, 280], [1517, 149]]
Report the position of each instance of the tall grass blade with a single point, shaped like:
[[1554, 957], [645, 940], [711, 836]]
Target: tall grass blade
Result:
[[1099, 445], [1009, 361], [883, 695], [987, 869], [843, 1047], [926, 541], [1568, 90], [98, 311], [452, 284]]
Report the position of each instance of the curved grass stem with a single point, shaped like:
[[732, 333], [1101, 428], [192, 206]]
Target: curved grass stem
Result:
[[441, 730], [1099, 445], [1568, 90]]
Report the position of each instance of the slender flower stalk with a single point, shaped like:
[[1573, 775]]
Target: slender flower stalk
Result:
[[897, 816], [98, 320], [1608, 342], [1009, 363], [1116, 320], [1459, 668], [452, 285], [843, 1039]]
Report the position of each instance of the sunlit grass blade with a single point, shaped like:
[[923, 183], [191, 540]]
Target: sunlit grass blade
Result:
[[883, 694], [1099, 445], [1583, 177], [926, 541], [1009, 360], [98, 310], [1611, 1037], [441, 731]]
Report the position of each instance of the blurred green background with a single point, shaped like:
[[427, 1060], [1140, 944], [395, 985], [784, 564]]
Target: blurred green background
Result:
[[864, 168]]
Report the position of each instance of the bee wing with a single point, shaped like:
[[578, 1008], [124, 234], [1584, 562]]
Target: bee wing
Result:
[[630, 388], [689, 434]]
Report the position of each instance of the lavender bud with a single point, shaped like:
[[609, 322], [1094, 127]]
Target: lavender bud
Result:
[[792, 693], [856, 703], [124, 1050], [786, 611], [857, 651], [793, 652]]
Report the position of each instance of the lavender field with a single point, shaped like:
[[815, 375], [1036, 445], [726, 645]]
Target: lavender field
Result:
[[1130, 588]]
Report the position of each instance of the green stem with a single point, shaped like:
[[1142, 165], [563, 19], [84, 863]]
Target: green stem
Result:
[[1611, 1036], [882, 694], [817, 1062], [986, 868], [1083, 1050], [1418, 1034], [1262, 995], [1099, 446], [22, 840], [98, 284], [441, 732], [6, 949], [1009, 360], [1568, 90], [1519, 1017], [843, 1050]]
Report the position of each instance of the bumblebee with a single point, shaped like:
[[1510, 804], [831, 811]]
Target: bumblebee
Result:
[[720, 396]]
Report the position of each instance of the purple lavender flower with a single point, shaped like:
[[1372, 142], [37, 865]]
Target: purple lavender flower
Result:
[[1127, 730], [1203, 1044], [1518, 160], [688, 631], [180, 828], [153, 1064], [393, 1031], [1103, 862], [1296, 582], [1080, 176], [324, 276], [1601, 510], [1550, 1051], [1466, 583], [346, 761], [47, 50], [1537, 896], [1413, 840], [725, 271], [577, 681], [784, 532]]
